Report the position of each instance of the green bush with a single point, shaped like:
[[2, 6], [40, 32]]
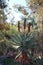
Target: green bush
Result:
[[10, 61]]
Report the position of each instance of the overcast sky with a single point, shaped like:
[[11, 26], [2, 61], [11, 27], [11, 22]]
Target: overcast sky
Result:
[[21, 2], [14, 14]]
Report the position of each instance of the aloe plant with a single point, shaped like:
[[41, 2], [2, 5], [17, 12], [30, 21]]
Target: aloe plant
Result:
[[25, 41]]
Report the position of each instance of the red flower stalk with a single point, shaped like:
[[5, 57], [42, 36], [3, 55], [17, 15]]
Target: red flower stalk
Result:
[[19, 26], [24, 23], [28, 27]]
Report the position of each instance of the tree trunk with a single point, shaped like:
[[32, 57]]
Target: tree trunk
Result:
[[23, 59]]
